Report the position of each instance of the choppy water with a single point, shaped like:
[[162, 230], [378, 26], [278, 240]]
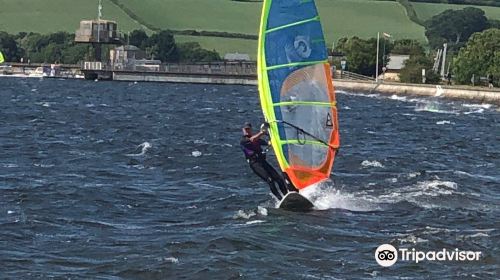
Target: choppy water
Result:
[[146, 181]]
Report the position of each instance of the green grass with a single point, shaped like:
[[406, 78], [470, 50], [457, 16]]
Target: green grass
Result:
[[223, 45], [362, 18], [340, 18], [45, 16], [213, 15], [427, 10]]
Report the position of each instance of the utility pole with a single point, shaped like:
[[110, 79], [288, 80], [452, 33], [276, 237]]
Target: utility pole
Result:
[[384, 66], [445, 50], [99, 15], [378, 47]]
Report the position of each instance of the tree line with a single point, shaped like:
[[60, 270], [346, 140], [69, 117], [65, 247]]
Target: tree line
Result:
[[60, 47], [495, 3], [473, 43], [361, 57], [162, 45]]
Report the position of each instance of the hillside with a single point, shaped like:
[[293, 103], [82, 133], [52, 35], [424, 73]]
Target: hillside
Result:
[[340, 18], [427, 10], [363, 18], [46, 16]]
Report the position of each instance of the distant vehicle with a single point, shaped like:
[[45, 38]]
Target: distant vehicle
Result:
[[39, 72], [6, 70]]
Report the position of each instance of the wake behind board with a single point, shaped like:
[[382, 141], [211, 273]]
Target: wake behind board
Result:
[[293, 201]]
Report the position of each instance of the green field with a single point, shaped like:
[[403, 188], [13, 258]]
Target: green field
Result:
[[427, 10], [341, 18], [363, 18], [223, 45], [45, 16]]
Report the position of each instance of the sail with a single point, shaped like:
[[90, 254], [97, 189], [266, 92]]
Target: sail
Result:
[[2, 59], [296, 90]]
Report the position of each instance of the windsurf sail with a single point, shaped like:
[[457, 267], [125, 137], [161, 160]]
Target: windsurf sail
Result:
[[296, 90], [2, 59]]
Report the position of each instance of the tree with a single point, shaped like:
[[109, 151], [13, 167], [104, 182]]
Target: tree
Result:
[[56, 47], [361, 54], [455, 27], [464, 2], [163, 47], [52, 53], [408, 46], [138, 38], [74, 54], [9, 48], [412, 71], [480, 57], [60, 47], [193, 52], [494, 23]]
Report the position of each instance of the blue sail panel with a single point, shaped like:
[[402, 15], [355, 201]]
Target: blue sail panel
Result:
[[290, 11], [299, 43]]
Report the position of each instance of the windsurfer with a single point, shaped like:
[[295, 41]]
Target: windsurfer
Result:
[[251, 145]]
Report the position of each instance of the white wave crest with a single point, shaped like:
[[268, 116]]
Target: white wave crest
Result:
[[254, 222], [196, 154], [444, 122], [483, 177], [172, 260], [200, 141], [243, 215], [433, 107], [412, 239], [477, 111], [374, 163], [262, 211], [397, 97], [413, 174], [9, 165], [324, 196], [421, 189], [144, 148], [482, 106], [426, 194]]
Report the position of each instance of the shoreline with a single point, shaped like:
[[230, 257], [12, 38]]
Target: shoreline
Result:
[[466, 93], [473, 94]]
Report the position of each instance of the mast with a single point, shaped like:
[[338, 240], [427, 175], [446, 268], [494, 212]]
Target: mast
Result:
[[99, 15], [376, 64]]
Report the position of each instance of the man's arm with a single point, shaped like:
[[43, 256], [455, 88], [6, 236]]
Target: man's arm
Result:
[[263, 131], [257, 136]]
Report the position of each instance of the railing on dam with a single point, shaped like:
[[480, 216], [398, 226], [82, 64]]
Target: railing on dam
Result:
[[213, 68]]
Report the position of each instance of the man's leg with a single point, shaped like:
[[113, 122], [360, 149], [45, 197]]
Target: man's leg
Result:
[[276, 177], [259, 169], [289, 183]]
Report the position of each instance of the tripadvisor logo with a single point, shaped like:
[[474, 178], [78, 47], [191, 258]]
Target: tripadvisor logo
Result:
[[387, 255]]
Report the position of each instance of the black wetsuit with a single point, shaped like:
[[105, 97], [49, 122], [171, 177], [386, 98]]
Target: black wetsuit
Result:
[[259, 165]]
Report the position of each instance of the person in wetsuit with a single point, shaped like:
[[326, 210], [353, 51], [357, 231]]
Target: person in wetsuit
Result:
[[251, 145]]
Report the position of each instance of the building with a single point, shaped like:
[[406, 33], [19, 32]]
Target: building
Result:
[[393, 68], [98, 31], [130, 57], [236, 57]]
